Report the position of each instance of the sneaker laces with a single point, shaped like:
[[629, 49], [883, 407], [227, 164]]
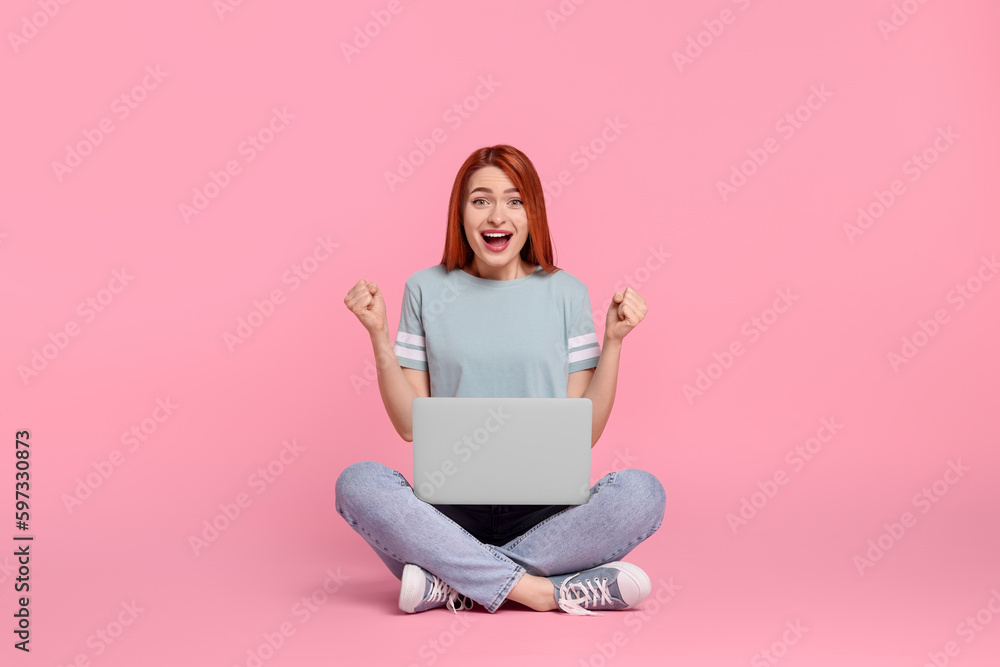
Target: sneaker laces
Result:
[[574, 597], [440, 591]]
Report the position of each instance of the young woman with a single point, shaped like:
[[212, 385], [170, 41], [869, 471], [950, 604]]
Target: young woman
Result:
[[497, 318]]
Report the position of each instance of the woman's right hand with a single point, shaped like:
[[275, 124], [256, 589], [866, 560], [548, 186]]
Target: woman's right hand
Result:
[[366, 302]]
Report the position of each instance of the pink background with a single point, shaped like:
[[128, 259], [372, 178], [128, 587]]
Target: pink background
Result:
[[304, 373]]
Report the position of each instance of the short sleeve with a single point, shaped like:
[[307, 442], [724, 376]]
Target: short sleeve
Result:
[[411, 347], [581, 342]]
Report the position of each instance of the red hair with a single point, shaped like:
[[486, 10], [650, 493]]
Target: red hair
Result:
[[518, 168]]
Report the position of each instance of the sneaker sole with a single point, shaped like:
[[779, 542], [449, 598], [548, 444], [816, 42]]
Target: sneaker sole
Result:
[[411, 590], [634, 584]]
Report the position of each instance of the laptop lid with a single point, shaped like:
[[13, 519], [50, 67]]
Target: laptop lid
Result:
[[502, 451]]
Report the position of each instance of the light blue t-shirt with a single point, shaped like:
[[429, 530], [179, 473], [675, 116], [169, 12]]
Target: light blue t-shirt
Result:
[[496, 338]]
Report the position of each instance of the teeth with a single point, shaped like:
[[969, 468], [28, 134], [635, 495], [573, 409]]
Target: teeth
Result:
[[495, 234]]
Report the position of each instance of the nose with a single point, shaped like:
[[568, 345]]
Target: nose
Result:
[[497, 215]]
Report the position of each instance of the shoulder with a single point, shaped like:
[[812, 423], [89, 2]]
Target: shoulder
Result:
[[424, 279], [564, 281]]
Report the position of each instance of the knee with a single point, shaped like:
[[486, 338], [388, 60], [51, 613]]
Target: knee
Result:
[[648, 494], [357, 480]]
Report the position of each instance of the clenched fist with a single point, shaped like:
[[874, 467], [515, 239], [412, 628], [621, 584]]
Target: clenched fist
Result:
[[626, 311], [366, 302]]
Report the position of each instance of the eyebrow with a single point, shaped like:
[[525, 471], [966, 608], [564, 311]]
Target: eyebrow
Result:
[[485, 189]]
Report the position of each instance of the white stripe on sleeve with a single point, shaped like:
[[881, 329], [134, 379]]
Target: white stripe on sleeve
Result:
[[586, 353], [585, 339], [410, 353], [414, 339]]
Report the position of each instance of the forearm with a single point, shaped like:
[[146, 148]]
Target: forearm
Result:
[[397, 393], [601, 390]]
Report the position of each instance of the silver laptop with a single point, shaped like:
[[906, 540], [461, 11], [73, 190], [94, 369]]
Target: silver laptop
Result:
[[502, 451]]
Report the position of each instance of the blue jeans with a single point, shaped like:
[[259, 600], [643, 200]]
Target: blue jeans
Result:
[[625, 508]]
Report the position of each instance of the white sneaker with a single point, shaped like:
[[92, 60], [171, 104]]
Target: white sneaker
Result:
[[611, 586], [420, 590]]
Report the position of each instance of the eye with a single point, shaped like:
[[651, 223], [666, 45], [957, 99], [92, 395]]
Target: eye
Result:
[[477, 200], [517, 202]]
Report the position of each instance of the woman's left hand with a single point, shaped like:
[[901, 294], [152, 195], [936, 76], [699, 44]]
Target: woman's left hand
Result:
[[626, 311]]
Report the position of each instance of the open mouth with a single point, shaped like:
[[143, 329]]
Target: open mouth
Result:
[[496, 240]]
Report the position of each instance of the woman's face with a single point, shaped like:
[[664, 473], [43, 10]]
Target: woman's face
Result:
[[495, 220]]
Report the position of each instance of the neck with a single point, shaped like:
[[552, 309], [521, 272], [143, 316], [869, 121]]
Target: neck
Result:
[[501, 273]]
